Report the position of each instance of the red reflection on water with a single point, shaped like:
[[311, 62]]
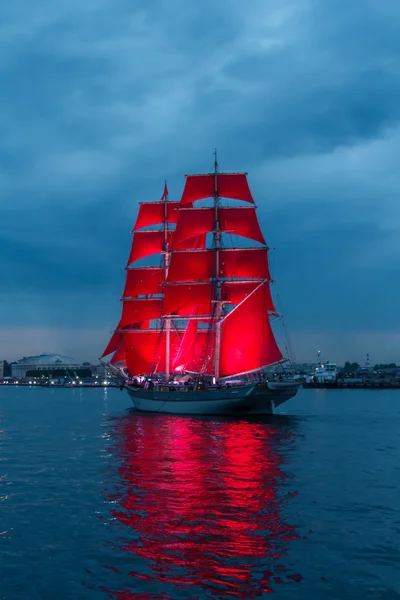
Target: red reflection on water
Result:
[[202, 502]]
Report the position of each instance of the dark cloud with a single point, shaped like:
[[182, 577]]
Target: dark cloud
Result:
[[100, 101]]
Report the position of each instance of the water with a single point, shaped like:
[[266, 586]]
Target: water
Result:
[[97, 501]]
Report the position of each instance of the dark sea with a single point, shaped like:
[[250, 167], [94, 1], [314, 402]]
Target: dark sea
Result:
[[97, 501]]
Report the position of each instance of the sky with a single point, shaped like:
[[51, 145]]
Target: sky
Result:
[[102, 100]]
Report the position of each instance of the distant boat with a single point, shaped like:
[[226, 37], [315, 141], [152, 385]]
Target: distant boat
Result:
[[323, 373], [195, 334]]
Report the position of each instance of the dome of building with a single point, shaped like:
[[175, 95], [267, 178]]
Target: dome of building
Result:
[[50, 363], [46, 359]]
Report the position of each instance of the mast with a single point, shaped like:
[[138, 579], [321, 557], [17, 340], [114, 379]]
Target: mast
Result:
[[143, 294], [217, 246], [166, 266]]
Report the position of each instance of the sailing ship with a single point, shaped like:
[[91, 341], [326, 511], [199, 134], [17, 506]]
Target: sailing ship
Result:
[[194, 335]]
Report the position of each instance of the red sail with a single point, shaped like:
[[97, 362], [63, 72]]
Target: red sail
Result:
[[236, 291], [112, 344], [194, 243], [236, 221], [196, 351], [229, 185], [119, 354], [247, 340], [186, 349], [202, 360], [145, 350], [135, 312], [152, 213], [172, 211], [192, 222], [191, 266], [117, 341], [241, 221], [234, 185], [143, 281], [146, 243], [249, 263], [188, 299]]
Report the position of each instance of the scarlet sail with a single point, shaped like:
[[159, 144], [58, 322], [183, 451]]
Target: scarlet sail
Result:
[[188, 299], [244, 263], [143, 281], [247, 340], [196, 350], [134, 312], [240, 221], [146, 243], [235, 292], [146, 350], [119, 354], [115, 345], [112, 344], [142, 296], [191, 266], [192, 222], [249, 263], [226, 185], [153, 213], [141, 348]]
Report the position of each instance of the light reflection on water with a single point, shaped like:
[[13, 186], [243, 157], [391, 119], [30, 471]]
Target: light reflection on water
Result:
[[201, 503], [99, 502]]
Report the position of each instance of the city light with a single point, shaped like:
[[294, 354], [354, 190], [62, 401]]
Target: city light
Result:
[[48, 369]]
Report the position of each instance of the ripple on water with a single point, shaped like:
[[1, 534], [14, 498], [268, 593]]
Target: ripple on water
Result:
[[97, 501]]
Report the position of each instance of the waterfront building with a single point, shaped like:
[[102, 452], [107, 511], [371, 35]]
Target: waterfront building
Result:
[[102, 371], [43, 364]]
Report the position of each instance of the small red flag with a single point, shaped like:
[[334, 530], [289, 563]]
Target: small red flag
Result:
[[165, 194]]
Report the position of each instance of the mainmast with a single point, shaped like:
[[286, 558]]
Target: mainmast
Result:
[[166, 262], [201, 280], [217, 246]]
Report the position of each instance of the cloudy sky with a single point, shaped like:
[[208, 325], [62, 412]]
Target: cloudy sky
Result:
[[101, 100]]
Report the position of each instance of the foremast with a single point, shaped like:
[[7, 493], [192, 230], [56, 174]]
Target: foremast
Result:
[[142, 298], [166, 261]]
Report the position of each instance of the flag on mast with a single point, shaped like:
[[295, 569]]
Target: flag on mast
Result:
[[165, 194]]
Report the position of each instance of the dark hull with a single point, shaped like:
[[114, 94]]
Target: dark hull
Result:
[[241, 400]]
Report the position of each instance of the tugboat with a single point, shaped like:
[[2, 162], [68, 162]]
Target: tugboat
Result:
[[194, 335]]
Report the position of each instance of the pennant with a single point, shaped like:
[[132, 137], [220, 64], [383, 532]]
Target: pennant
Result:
[[165, 194]]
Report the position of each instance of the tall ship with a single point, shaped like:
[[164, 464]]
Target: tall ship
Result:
[[194, 335]]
